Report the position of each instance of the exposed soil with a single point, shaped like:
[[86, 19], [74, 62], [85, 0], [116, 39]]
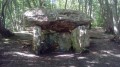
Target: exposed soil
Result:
[[103, 53]]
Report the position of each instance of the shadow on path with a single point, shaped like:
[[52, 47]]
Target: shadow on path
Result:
[[103, 53]]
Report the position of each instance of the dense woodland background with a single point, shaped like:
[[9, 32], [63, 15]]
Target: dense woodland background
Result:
[[105, 13]]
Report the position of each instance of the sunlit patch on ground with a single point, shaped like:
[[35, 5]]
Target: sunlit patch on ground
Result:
[[65, 55], [110, 53], [93, 62], [6, 40], [20, 54], [79, 58], [25, 54], [23, 32], [72, 66]]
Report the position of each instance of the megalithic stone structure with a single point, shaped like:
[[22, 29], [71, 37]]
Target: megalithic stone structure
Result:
[[58, 29]]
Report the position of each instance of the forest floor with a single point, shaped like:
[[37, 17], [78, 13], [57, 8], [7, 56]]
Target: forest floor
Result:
[[103, 53]]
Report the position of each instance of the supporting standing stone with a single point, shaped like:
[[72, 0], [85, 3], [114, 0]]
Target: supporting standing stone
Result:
[[64, 41], [36, 39], [80, 38]]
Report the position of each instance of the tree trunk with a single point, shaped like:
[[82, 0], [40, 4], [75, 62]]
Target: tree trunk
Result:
[[3, 31], [107, 15]]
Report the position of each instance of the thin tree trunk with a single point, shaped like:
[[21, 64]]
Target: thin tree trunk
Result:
[[66, 4], [79, 4], [3, 31], [2, 18]]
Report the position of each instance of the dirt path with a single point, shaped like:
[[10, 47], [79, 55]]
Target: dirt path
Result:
[[103, 53]]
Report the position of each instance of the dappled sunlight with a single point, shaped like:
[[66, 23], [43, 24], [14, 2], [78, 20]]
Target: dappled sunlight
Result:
[[69, 66], [94, 52], [116, 55], [6, 40], [22, 54], [115, 26], [106, 51], [79, 58], [9, 41], [92, 62], [72, 66], [60, 33], [107, 63], [25, 54], [105, 55], [89, 66], [65, 55], [110, 53], [100, 54], [23, 32]]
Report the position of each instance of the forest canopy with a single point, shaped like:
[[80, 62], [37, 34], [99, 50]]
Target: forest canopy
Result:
[[105, 13]]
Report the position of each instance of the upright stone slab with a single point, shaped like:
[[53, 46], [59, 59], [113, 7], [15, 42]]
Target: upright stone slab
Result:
[[80, 38], [36, 38], [64, 41]]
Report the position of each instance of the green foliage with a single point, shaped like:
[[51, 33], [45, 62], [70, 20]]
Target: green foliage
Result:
[[15, 8]]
